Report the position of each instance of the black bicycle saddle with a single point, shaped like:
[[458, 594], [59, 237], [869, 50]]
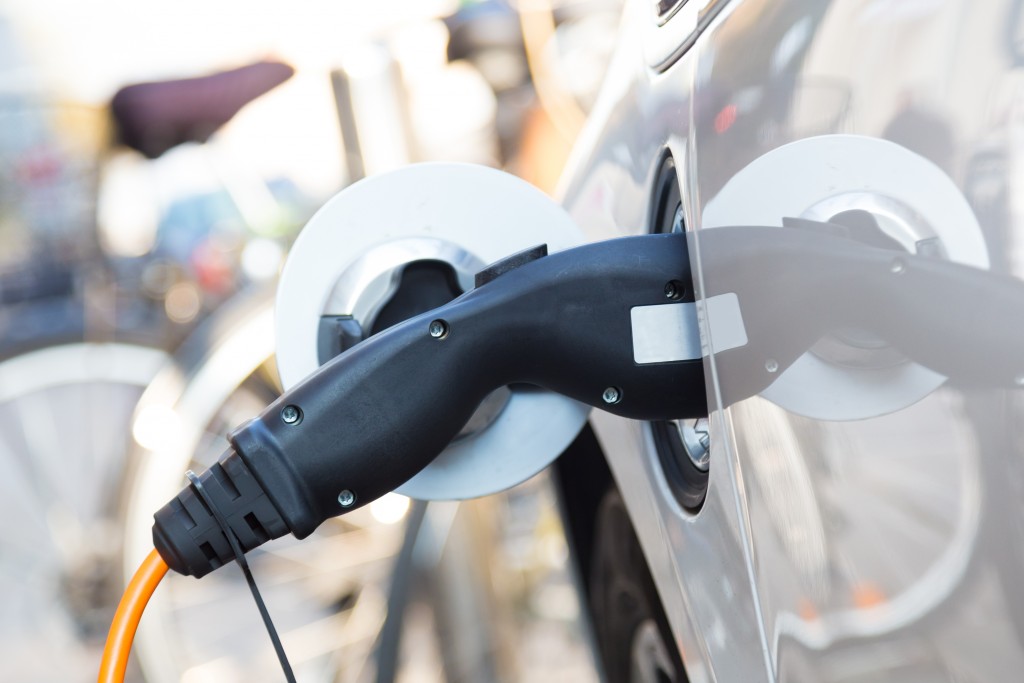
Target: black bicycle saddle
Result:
[[154, 117]]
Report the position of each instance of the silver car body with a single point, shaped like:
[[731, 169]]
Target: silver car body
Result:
[[857, 531]]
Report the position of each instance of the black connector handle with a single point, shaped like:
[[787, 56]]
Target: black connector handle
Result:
[[378, 414], [370, 419]]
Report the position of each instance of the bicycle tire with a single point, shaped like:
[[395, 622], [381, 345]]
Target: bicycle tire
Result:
[[64, 411]]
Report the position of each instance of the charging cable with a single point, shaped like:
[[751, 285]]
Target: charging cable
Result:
[[126, 619]]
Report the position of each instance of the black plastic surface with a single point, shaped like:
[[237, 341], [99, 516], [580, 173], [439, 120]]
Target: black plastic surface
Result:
[[376, 415], [379, 413], [187, 534], [509, 263], [337, 334], [423, 285]]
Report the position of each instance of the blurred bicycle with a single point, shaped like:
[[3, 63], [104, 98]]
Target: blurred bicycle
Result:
[[82, 333]]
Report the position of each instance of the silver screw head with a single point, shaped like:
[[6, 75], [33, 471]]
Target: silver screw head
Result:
[[346, 498], [673, 290], [438, 329], [771, 365], [291, 414], [611, 395], [897, 266]]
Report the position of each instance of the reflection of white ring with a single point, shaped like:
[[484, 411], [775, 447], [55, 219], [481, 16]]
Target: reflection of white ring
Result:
[[481, 212], [791, 179]]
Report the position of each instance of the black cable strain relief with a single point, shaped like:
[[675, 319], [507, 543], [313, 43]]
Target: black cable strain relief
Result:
[[186, 533]]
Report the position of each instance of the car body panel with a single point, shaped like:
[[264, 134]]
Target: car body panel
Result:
[[879, 548]]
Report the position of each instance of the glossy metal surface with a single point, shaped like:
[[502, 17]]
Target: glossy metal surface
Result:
[[373, 277], [887, 548]]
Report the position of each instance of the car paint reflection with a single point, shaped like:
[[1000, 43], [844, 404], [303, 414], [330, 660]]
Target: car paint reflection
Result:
[[883, 548]]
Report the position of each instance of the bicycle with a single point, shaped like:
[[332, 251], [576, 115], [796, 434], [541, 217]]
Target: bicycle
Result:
[[80, 340]]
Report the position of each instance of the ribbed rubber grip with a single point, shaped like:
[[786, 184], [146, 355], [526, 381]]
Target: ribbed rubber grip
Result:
[[187, 535]]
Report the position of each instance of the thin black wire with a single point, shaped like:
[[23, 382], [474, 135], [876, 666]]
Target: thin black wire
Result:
[[240, 558]]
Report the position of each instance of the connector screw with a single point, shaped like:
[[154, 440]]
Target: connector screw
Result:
[[674, 290], [438, 329], [291, 415], [611, 395], [346, 498], [771, 365], [898, 266]]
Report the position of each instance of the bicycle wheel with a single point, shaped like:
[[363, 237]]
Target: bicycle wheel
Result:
[[64, 413], [327, 594]]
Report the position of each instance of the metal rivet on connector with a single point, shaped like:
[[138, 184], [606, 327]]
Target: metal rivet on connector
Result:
[[611, 395], [438, 329], [346, 499], [771, 365], [674, 289], [898, 266], [291, 415]]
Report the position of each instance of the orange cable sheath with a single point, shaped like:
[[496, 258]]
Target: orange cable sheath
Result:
[[126, 619]]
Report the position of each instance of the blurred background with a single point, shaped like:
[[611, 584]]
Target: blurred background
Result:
[[156, 160]]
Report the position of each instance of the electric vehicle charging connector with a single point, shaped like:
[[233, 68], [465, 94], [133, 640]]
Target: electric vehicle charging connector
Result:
[[376, 415]]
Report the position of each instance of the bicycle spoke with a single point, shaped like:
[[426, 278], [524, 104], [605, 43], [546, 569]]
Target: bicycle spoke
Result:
[[63, 417]]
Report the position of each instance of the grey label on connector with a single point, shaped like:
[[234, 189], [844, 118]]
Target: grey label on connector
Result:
[[671, 332], [665, 333]]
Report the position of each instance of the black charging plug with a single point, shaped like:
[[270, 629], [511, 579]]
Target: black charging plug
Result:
[[370, 419]]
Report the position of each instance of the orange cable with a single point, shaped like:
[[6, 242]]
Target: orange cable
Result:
[[126, 619]]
